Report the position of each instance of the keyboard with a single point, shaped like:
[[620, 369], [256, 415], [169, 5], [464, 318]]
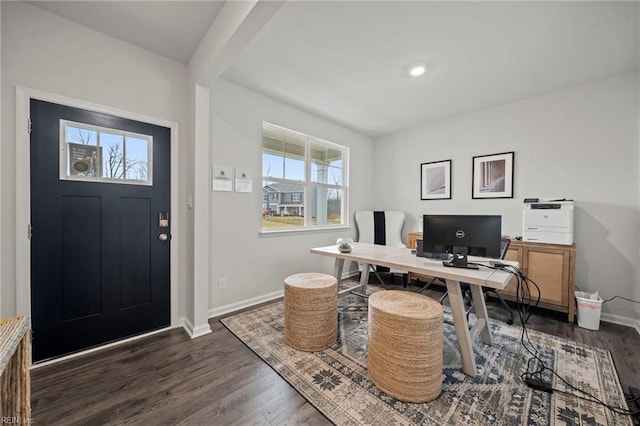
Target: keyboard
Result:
[[436, 256]]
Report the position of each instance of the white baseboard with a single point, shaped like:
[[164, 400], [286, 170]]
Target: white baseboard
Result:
[[215, 312], [192, 331], [222, 310], [620, 320]]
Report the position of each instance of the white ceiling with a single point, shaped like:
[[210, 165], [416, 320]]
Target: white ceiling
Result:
[[349, 61], [169, 28]]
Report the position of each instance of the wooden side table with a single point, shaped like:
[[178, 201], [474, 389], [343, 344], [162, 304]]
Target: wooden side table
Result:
[[15, 359]]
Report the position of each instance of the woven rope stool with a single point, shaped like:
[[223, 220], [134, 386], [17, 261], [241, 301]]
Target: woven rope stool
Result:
[[405, 345], [310, 311]]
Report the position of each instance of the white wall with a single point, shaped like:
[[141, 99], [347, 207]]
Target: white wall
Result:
[[580, 143], [1, 193], [562, 140], [45, 52], [255, 265]]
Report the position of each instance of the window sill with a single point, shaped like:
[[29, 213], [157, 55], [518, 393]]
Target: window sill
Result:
[[276, 232]]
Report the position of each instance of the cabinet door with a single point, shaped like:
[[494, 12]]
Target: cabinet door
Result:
[[514, 254], [548, 268]]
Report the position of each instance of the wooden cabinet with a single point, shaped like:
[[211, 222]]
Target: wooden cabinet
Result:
[[552, 268], [412, 237], [412, 243]]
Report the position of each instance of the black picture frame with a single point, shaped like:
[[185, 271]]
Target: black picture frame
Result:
[[493, 175], [435, 180]]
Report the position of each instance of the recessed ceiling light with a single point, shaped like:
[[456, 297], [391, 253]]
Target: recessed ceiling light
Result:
[[417, 71]]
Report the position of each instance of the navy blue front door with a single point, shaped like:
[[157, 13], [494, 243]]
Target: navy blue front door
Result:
[[99, 263]]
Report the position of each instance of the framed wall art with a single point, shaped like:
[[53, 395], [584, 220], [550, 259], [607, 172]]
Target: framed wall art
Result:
[[493, 176], [435, 180]]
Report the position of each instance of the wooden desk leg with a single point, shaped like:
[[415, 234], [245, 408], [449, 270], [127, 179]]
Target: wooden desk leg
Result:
[[338, 266], [481, 312], [572, 306], [364, 277], [337, 269], [462, 327]]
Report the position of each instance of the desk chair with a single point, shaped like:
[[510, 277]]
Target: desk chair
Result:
[[466, 289], [385, 228]]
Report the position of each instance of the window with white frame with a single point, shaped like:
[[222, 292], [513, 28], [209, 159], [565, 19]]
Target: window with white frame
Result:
[[94, 153], [304, 180]]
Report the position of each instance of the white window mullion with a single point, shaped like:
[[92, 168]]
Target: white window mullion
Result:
[[125, 175], [308, 206], [284, 155], [101, 159], [345, 188]]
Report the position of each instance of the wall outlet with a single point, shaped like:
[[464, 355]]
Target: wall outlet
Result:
[[222, 284]]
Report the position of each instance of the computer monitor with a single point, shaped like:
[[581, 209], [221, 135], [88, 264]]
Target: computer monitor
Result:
[[473, 235]]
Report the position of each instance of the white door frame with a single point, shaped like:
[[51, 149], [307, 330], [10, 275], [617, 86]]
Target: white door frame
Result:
[[23, 189]]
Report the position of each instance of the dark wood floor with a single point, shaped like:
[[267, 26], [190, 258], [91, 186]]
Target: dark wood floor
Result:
[[170, 379]]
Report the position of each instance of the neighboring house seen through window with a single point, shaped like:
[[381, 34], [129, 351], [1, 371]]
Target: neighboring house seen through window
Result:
[[304, 180]]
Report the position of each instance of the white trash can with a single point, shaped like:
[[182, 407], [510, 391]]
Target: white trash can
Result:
[[589, 308]]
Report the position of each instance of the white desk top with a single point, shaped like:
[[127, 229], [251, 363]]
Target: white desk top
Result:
[[403, 259]]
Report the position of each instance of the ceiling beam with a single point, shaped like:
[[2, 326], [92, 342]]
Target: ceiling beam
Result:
[[234, 27]]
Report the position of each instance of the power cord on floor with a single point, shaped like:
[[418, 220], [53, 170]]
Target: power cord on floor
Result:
[[535, 379]]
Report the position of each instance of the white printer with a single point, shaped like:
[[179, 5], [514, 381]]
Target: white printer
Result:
[[547, 221]]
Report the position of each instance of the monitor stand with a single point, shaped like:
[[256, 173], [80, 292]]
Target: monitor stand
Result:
[[460, 261], [466, 266]]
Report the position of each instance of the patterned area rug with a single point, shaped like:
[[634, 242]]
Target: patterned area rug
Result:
[[335, 380]]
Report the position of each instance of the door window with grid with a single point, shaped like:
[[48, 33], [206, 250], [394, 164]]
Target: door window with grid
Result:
[[94, 153]]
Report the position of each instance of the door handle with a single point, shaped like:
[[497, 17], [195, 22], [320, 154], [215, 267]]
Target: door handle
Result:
[[163, 220], [163, 237]]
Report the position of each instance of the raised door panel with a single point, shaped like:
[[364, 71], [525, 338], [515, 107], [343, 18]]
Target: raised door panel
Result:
[[547, 269]]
